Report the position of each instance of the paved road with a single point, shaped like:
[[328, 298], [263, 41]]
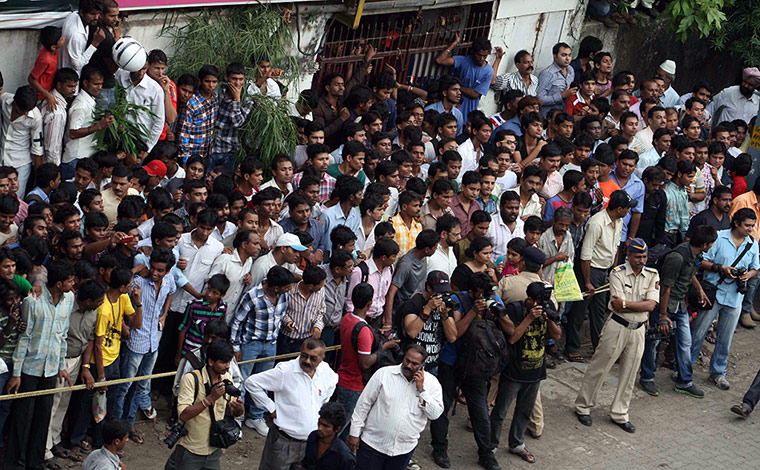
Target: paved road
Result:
[[673, 431]]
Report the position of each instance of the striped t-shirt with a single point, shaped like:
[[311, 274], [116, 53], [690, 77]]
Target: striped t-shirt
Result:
[[197, 314]]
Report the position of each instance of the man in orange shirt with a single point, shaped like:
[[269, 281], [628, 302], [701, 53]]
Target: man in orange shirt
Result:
[[157, 61], [608, 185], [749, 200]]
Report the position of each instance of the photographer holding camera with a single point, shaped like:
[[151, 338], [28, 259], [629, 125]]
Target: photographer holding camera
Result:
[[728, 265], [300, 386], [199, 404], [634, 292], [476, 317], [526, 326], [428, 320]]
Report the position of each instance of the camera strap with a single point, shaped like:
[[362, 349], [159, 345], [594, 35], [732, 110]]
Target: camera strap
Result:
[[747, 247]]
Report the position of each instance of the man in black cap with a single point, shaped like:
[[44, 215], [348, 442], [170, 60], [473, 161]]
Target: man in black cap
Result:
[[428, 321], [526, 326], [634, 292], [600, 244]]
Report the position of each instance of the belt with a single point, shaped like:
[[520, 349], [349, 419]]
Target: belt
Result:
[[286, 435], [631, 325], [672, 232]]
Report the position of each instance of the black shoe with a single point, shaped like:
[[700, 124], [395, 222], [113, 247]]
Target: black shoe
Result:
[[648, 11], [584, 419], [650, 388], [692, 391], [489, 463], [441, 458], [627, 426], [741, 410]]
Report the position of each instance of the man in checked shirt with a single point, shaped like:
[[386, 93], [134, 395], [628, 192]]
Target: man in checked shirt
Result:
[[197, 129]]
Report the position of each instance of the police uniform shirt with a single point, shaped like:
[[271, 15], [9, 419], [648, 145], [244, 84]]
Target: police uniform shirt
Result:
[[632, 287]]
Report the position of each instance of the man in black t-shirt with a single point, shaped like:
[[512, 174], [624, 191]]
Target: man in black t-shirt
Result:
[[526, 326], [716, 215], [426, 319], [102, 58]]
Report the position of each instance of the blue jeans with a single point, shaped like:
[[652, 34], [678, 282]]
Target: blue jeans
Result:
[[68, 169], [24, 172], [750, 295], [138, 394], [226, 159], [682, 347], [250, 351], [348, 399], [727, 321], [649, 359]]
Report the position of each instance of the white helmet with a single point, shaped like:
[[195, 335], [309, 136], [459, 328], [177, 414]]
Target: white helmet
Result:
[[129, 54]]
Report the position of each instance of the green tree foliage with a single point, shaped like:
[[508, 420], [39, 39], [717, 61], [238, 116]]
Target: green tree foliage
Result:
[[739, 34], [241, 34], [126, 133], [704, 17]]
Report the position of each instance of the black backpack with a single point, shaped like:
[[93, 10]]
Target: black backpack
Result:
[[384, 358], [484, 347]]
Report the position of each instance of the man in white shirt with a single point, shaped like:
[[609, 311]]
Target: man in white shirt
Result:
[[79, 141], [285, 253], [738, 101], [144, 91], [200, 250], [444, 259], [507, 225], [393, 409], [65, 85], [76, 53], [300, 386], [643, 140], [264, 84], [236, 266], [21, 136]]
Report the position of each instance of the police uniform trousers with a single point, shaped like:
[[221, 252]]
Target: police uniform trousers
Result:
[[616, 342]]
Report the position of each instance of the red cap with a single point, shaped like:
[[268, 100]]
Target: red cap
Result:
[[155, 168]]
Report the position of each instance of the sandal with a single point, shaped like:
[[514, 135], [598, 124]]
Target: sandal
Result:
[[554, 351], [525, 455], [85, 447], [136, 436], [75, 455], [710, 337], [52, 465], [575, 357], [61, 452]]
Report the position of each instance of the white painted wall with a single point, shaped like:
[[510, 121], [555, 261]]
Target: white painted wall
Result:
[[535, 26]]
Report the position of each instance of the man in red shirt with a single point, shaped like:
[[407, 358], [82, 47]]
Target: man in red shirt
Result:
[[355, 359], [157, 71]]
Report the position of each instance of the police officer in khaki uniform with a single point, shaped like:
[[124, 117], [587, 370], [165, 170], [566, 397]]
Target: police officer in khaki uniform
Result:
[[634, 292]]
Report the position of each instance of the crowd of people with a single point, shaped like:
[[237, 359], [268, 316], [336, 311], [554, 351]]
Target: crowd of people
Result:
[[423, 236]]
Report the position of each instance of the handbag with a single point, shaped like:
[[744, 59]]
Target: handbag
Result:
[[566, 287], [224, 432]]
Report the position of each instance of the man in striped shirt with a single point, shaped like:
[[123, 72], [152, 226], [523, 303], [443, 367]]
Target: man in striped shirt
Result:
[[255, 328], [141, 351], [305, 313], [199, 312]]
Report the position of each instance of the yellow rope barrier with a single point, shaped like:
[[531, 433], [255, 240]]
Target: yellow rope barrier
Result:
[[107, 383]]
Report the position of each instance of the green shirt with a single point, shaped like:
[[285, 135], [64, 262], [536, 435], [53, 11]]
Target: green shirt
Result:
[[677, 210], [678, 267], [334, 171]]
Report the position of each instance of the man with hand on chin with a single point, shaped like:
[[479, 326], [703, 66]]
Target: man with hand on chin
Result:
[[386, 423]]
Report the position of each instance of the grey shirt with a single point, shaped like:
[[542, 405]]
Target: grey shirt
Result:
[[335, 298], [409, 277], [81, 330], [101, 459]]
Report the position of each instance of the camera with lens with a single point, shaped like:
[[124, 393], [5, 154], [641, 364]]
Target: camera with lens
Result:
[[741, 286], [653, 334], [496, 308], [448, 301], [544, 299], [229, 388], [175, 432]]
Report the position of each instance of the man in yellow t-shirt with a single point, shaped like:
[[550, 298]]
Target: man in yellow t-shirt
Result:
[[109, 328]]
